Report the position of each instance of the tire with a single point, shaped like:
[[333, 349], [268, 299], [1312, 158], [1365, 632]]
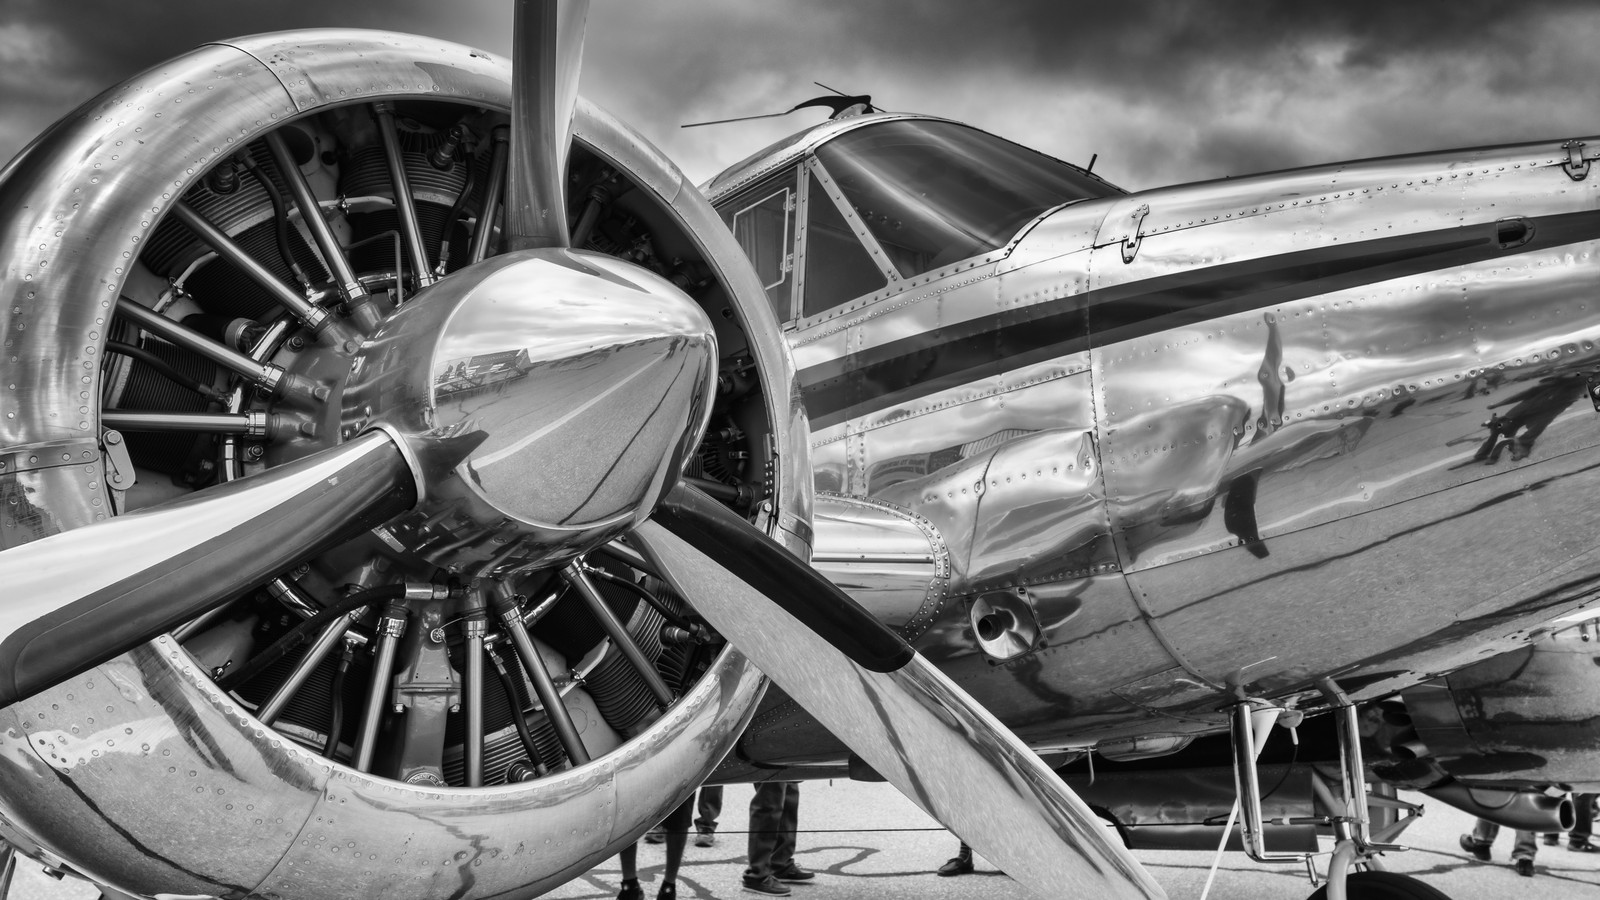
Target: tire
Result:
[[1384, 886]]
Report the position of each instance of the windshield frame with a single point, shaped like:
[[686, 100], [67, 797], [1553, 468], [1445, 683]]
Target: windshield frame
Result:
[[934, 193]]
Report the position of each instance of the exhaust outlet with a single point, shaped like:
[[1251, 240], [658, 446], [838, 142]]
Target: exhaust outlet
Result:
[[1522, 810]]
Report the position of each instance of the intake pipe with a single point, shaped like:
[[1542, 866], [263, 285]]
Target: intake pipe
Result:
[[1522, 810]]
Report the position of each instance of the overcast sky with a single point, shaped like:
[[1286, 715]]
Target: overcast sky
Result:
[[1164, 92]]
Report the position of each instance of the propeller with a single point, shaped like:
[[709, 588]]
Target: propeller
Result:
[[545, 60], [649, 353], [138, 575], [901, 715]]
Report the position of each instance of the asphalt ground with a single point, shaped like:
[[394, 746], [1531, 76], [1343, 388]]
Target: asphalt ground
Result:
[[866, 842]]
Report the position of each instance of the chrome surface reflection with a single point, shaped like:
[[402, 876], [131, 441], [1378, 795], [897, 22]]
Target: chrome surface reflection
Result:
[[602, 386], [894, 564], [1228, 437], [301, 826], [1531, 715]]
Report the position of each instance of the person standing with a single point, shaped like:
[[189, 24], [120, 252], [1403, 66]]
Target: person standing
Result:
[[1582, 826], [1522, 853], [675, 831], [709, 807], [774, 822]]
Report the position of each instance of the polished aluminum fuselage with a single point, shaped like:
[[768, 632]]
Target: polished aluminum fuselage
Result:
[[1531, 715], [1218, 440]]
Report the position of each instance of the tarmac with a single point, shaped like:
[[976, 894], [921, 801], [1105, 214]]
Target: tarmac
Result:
[[867, 842]]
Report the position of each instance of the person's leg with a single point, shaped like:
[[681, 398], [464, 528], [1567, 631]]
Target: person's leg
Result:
[[960, 864], [1485, 831], [766, 819], [1478, 840], [783, 850], [784, 867], [629, 857], [709, 807], [1583, 826], [1523, 852], [677, 827]]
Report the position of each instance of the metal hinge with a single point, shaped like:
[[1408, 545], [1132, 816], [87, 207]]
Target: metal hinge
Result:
[[1577, 164], [119, 469], [1130, 244]]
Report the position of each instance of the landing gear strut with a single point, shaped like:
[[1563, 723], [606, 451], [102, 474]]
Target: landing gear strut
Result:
[[1356, 841]]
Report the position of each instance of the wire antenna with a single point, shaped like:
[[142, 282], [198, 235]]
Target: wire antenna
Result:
[[836, 104]]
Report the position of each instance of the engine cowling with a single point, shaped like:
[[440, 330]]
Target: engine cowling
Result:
[[144, 774]]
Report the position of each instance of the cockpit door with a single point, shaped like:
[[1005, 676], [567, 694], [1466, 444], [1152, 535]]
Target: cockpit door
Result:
[[762, 220]]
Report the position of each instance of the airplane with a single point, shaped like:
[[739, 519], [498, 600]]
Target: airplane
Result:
[[270, 521]]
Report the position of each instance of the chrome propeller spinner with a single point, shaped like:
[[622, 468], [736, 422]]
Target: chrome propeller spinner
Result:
[[612, 374]]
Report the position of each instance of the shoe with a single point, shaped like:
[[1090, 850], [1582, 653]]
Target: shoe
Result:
[[1550, 840], [705, 838], [667, 891], [1524, 867], [655, 836], [1582, 847], [794, 874], [956, 865], [1481, 851], [767, 885], [630, 890]]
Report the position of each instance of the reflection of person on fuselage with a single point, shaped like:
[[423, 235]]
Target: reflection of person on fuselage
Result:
[[1535, 409]]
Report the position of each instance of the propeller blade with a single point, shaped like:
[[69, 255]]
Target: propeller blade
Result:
[[797, 588], [546, 55], [81, 597], [911, 724]]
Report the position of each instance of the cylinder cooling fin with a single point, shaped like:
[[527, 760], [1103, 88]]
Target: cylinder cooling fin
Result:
[[375, 720]]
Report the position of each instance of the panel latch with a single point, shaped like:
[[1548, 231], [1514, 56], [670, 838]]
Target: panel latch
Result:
[[1130, 244], [1576, 166]]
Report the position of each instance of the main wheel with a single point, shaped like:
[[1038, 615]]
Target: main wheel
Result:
[[1383, 886], [193, 259]]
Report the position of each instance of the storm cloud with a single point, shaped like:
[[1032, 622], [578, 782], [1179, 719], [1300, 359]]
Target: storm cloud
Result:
[[1163, 92]]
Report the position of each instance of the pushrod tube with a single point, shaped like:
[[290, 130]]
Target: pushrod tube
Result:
[[492, 194], [574, 575], [251, 424], [391, 628], [326, 643], [543, 685], [328, 329], [476, 628], [265, 375], [410, 229], [350, 287]]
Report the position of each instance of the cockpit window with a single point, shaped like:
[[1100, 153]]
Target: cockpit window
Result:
[[933, 193], [838, 268], [762, 230]]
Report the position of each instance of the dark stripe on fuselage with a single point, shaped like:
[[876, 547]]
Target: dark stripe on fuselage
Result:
[[902, 370]]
